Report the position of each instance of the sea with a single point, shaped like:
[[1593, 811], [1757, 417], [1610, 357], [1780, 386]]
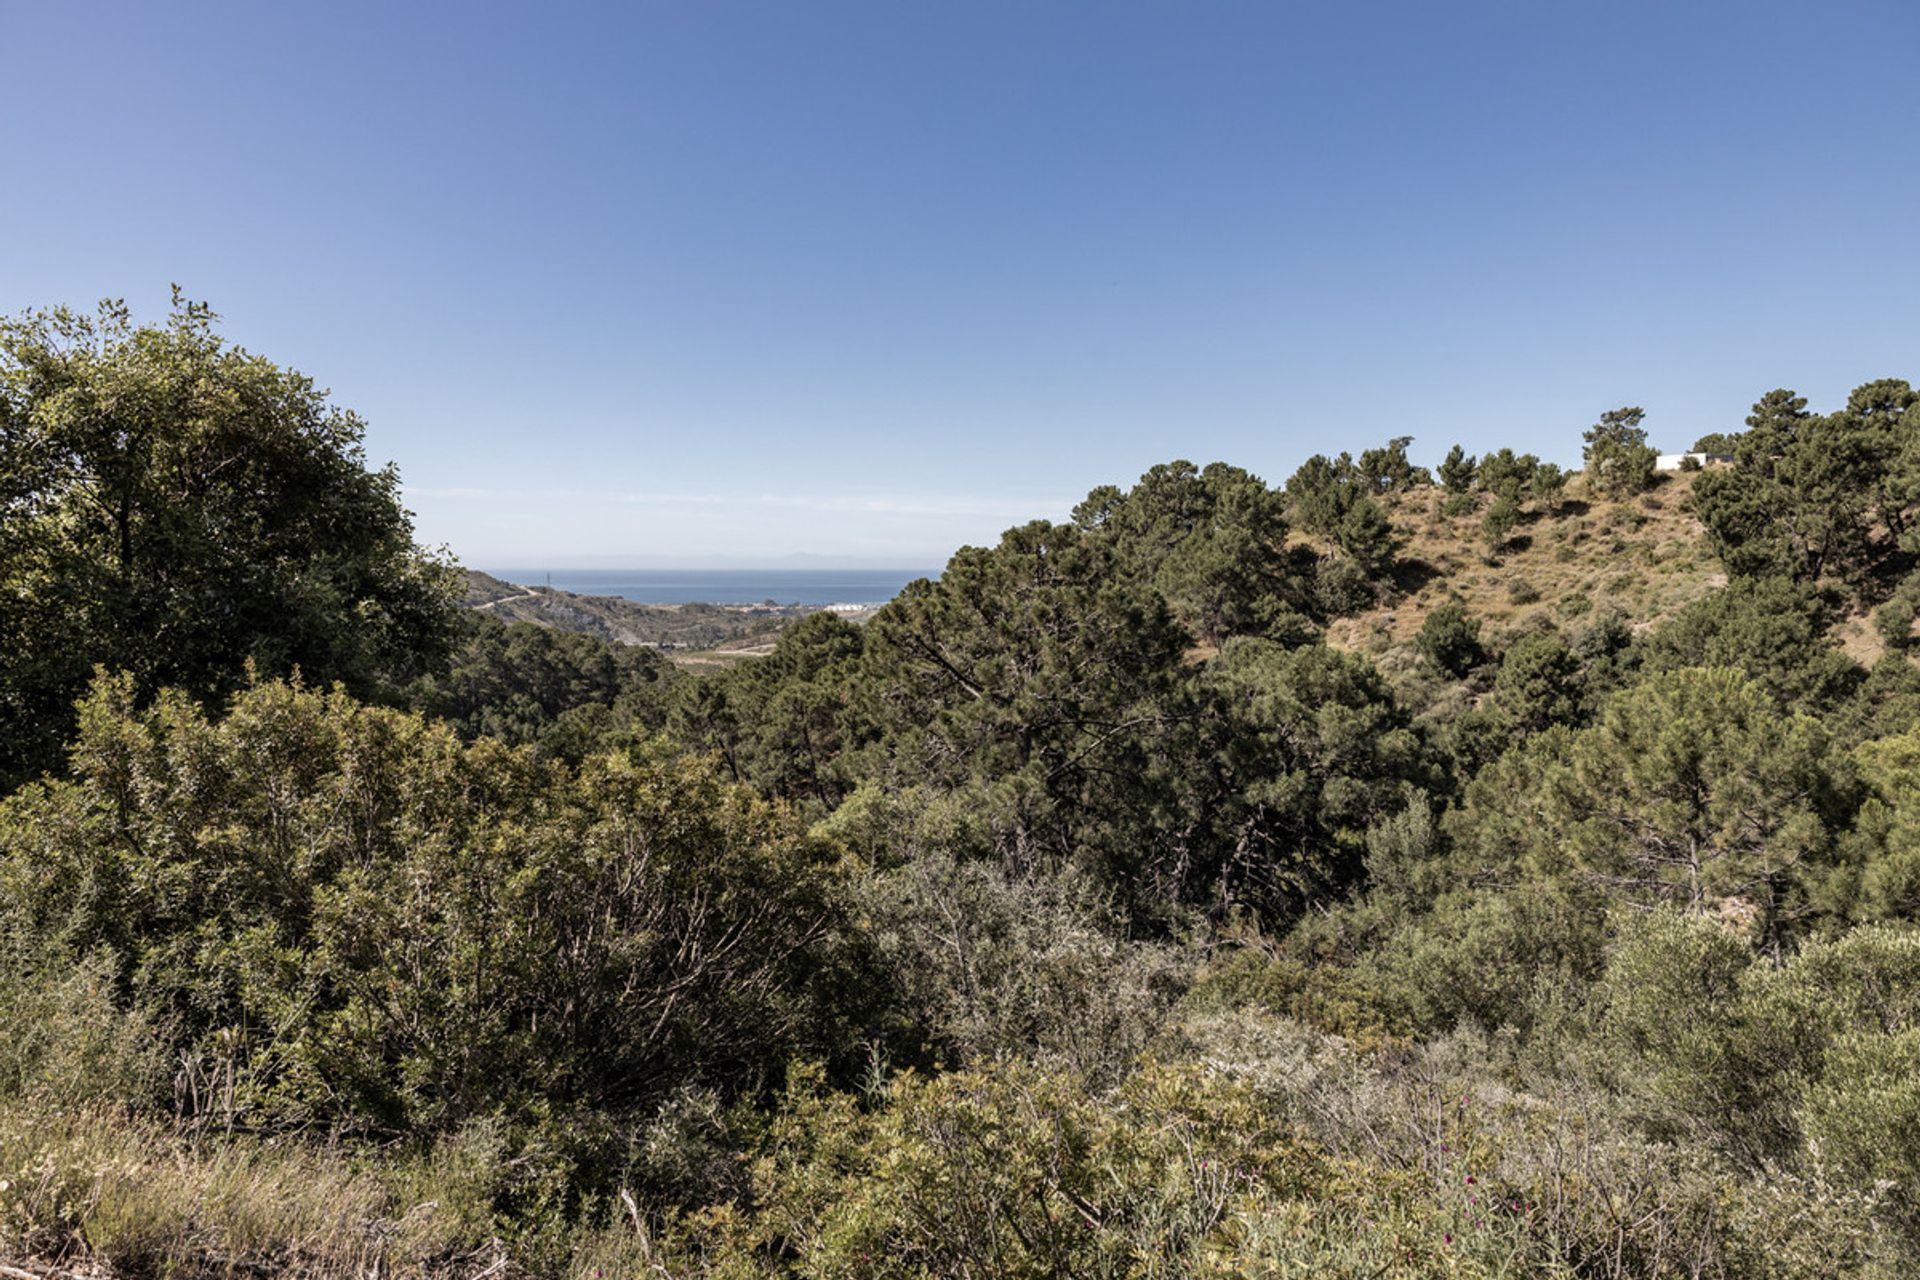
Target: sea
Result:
[[727, 586]]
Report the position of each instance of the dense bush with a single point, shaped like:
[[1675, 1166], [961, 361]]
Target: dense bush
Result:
[[340, 916], [1450, 639]]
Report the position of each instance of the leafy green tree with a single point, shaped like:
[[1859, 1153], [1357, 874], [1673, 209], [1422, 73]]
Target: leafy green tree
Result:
[[1546, 484], [1368, 539], [1772, 629], [1812, 496], [1321, 491], [1299, 751], [1457, 470], [174, 507], [561, 691], [1619, 462], [1032, 671], [1329, 499], [1450, 639], [1387, 469], [1213, 541], [1885, 839], [1885, 704], [1798, 503], [1508, 475], [1895, 617], [1499, 522], [1538, 685], [1692, 789], [791, 713]]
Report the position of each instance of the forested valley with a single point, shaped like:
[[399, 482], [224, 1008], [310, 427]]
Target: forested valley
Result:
[[1222, 882]]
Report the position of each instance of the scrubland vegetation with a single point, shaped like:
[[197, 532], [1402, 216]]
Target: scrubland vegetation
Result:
[[684, 629], [1495, 873]]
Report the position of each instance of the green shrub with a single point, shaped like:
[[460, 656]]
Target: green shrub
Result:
[[1864, 1115], [340, 916], [1450, 639], [1016, 1174], [1894, 621], [67, 1039], [994, 966]]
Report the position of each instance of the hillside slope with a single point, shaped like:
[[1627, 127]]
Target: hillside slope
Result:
[[623, 621], [1643, 558]]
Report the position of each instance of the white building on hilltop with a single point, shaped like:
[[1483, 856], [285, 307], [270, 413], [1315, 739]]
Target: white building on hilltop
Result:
[[1674, 461]]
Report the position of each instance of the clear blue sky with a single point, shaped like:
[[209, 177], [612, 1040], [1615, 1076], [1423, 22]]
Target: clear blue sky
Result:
[[676, 281]]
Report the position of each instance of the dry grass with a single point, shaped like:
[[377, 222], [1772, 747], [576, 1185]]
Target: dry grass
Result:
[[95, 1188], [1642, 557]]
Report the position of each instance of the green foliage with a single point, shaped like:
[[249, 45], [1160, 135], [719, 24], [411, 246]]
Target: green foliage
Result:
[[174, 507], [993, 966], [1213, 542], [1509, 476], [1894, 621], [1885, 840], [1691, 789], [68, 1040], [1811, 496], [1678, 1037], [1035, 674], [1019, 1174], [1547, 483], [564, 692], [341, 916], [1457, 470], [1811, 1062], [1300, 752], [1367, 538], [1773, 630], [782, 723], [1497, 961], [1386, 469], [1538, 685], [137, 1199], [1499, 522], [1450, 639], [1895, 617], [1101, 917], [1864, 1114], [1331, 498], [1619, 462]]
